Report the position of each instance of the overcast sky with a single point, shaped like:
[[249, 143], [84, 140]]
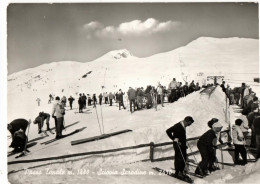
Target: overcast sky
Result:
[[44, 33]]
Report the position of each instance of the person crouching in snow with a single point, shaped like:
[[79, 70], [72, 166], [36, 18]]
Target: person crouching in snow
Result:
[[40, 121], [206, 146], [239, 143], [17, 129]]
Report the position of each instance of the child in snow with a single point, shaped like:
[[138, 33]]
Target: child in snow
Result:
[[239, 142]]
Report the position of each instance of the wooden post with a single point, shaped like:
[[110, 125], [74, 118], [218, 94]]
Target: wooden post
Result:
[[151, 151]]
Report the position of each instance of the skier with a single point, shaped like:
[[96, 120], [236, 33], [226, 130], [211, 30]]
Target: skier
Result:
[[197, 87], [94, 100], [100, 98], [207, 148], [40, 121], [239, 142], [131, 97], [17, 128], [106, 97], [140, 96], [53, 111], [38, 101], [81, 103], [148, 97], [177, 133], [111, 97], [84, 100], [256, 125], [89, 100], [223, 86], [172, 88], [71, 99], [60, 112], [64, 99], [251, 117], [159, 89], [50, 99], [192, 87], [121, 99]]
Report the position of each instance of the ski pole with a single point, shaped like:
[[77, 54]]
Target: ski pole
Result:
[[246, 151], [26, 141], [182, 156], [102, 119], [98, 122], [196, 162]]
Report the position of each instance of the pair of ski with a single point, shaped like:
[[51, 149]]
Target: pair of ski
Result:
[[186, 178], [45, 132]]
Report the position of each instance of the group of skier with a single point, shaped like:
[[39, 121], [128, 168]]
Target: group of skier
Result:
[[207, 143]]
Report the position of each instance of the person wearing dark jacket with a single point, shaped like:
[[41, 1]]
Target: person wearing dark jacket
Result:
[[40, 121], [81, 103], [17, 129], [131, 97], [207, 148], [94, 100], [251, 117], [177, 133], [256, 126], [100, 98], [71, 99], [111, 97], [16, 125]]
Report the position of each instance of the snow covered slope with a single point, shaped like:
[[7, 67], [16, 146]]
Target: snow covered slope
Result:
[[120, 69]]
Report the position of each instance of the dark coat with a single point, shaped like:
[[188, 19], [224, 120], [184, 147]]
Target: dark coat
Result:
[[206, 140], [18, 124], [131, 94], [71, 99], [177, 131]]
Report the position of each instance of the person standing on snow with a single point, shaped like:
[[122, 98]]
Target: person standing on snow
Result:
[[94, 100], [121, 99], [140, 98], [111, 97], [207, 148], [251, 117], [172, 88], [159, 90], [256, 125], [100, 98], [64, 99], [81, 103], [239, 142], [53, 111], [177, 133], [38, 101], [60, 112], [106, 97], [71, 99], [131, 97]]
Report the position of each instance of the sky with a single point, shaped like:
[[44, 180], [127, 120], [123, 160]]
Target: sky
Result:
[[45, 33]]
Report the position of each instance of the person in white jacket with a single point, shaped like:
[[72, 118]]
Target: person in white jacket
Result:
[[239, 143], [53, 110]]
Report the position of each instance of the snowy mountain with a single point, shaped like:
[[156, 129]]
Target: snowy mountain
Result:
[[200, 58]]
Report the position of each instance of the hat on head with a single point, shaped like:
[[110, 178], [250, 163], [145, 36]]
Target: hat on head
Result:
[[212, 121], [57, 98]]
